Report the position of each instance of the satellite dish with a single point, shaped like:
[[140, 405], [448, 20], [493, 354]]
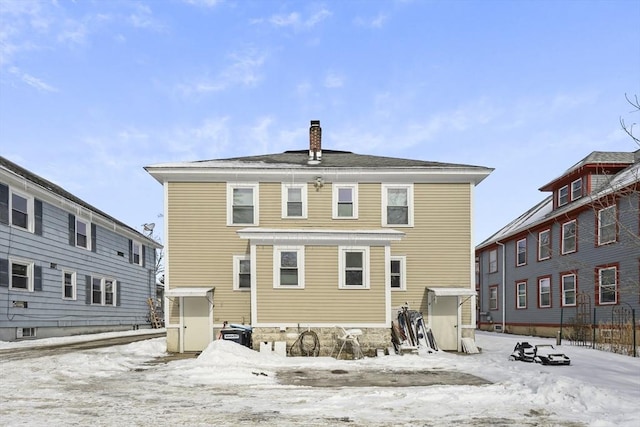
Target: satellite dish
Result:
[[149, 227]]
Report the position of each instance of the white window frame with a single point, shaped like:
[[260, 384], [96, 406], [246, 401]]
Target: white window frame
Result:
[[335, 190], [564, 237], [576, 189], [255, 193], [614, 285], [563, 195], [541, 293], [564, 290], [493, 260], [524, 252], [342, 263], [385, 200], [29, 265], [541, 245], [114, 291], [101, 282], [521, 291], [285, 200], [87, 225], [236, 272], [30, 210], [74, 285], [403, 272], [277, 250], [494, 303], [137, 245], [601, 226]]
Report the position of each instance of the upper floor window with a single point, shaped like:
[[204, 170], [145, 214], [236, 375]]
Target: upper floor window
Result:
[[544, 292], [345, 201], [354, 267], [563, 195], [568, 289], [69, 285], [521, 296], [397, 201], [493, 297], [398, 272], [493, 260], [544, 245], [82, 234], [136, 249], [241, 272], [607, 285], [288, 267], [607, 225], [242, 204], [21, 211], [521, 258], [569, 237], [576, 189], [294, 200]]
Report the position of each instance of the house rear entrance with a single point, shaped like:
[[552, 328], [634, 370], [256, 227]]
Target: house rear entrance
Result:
[[196, 323]]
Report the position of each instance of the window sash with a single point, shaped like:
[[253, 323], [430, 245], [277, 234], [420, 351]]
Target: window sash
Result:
[[19, 211], [96, 290], [522, 252], [243, 205], [294, 202], [544, 291], [569, 290], [397, 206], [522, 295], [544, 245], [493, 298], [345, 201], [563, 195], [493, 261], [137, 251], [354, 267], [288, 267], [69, 285], [244, 274], [607, 284], [20, 275], [82, 228], [607, 225], [109, 292], [576, 189], [569, 237], [396, 273]]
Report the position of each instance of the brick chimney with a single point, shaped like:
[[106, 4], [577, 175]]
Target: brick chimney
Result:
[[315, 142]]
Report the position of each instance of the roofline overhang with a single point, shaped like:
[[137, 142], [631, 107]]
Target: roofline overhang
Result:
[[271, 236]]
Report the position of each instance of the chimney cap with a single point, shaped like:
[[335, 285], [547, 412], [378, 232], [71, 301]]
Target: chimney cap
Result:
[[315, 122]]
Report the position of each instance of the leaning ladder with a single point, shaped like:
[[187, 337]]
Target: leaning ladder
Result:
[[153, 315]]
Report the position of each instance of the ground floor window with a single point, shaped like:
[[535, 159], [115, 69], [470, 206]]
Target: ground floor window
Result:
[[493, 297], [103, 291], [521, 297], [544, 292], [568, 290], [21, 275], [68, 285], [607, 285], [353, 265]]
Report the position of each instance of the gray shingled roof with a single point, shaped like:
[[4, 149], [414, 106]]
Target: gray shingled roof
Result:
[[50, 186]]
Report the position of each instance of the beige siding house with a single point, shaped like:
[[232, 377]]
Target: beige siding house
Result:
[[311, 239]]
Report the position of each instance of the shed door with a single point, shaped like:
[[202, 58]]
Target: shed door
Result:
[[444, 319], [196, 327]]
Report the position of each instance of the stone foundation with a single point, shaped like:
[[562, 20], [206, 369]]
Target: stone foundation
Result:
[[370, 340]]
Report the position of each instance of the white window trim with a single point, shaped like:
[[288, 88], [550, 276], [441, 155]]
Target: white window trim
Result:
[[518, 294], [114, 291], [342, 250], [540, 293], [236, 272], [403, 272], [88, 228], [230, 187], [540, 245], [575, 237], [566, 188], [285, 199], [615, 286], [277, 250], [74, 285], [133, 249], [562, 289], [30, 210], [600, 242], [494, 302], [29, 265], [409, 188], [334, 195], [518, 263], [573, 195], [101, 290], [495, 261]]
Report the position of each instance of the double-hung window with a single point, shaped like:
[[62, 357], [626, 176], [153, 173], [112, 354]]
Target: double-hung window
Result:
[[288, 263], [96, 290], [241, 272], [563, 195], [345, 201], [69, 285], [607, 285], [397, 205], [353, 265], [21, 275], [544, 245], [493, 297], [21, 211], [544, 292], [568, 289], [521, 296], [136, 249], [294, 201], [521, 256], [242, 204], [103, 291], [569, 237], [607, 225], [576, 189], [493, 260], [397, 271], [82, 234]]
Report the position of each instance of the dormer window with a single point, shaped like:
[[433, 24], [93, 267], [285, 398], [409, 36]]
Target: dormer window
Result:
[[576, 189], [563, 195]]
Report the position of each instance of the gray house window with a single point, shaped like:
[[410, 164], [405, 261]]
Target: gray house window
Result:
[[522, 252], [607, 225], [568, 290], [608, 285], [544, 245], [569, 237]]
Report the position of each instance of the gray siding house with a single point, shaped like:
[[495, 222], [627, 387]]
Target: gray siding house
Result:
[[576, 250], [66, 267]]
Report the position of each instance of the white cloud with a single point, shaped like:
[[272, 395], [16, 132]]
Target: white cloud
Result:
[[203, 3], [333, 80], [375, 22], [296, 21], [32, 81]]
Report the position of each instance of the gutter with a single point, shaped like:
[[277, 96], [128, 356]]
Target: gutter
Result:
[[504, 285]]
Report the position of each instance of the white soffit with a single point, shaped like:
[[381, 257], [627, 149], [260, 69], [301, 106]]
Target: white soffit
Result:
[[451, 292], [319, 236], [189, 292]]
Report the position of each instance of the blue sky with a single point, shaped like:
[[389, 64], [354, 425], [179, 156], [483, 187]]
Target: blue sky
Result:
[[93, 91]]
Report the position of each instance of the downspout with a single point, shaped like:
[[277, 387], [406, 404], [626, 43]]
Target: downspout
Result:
[[504, 295]]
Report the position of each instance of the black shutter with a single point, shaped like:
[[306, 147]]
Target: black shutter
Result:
[[37, 278], [4, 273], [87, 298], [94, 244], [118, 284], [4, 204], [130, 251], [72, 229], [143, 255], [37, 208]]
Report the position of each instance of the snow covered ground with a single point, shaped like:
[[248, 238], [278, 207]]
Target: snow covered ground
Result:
[[230, 385]]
